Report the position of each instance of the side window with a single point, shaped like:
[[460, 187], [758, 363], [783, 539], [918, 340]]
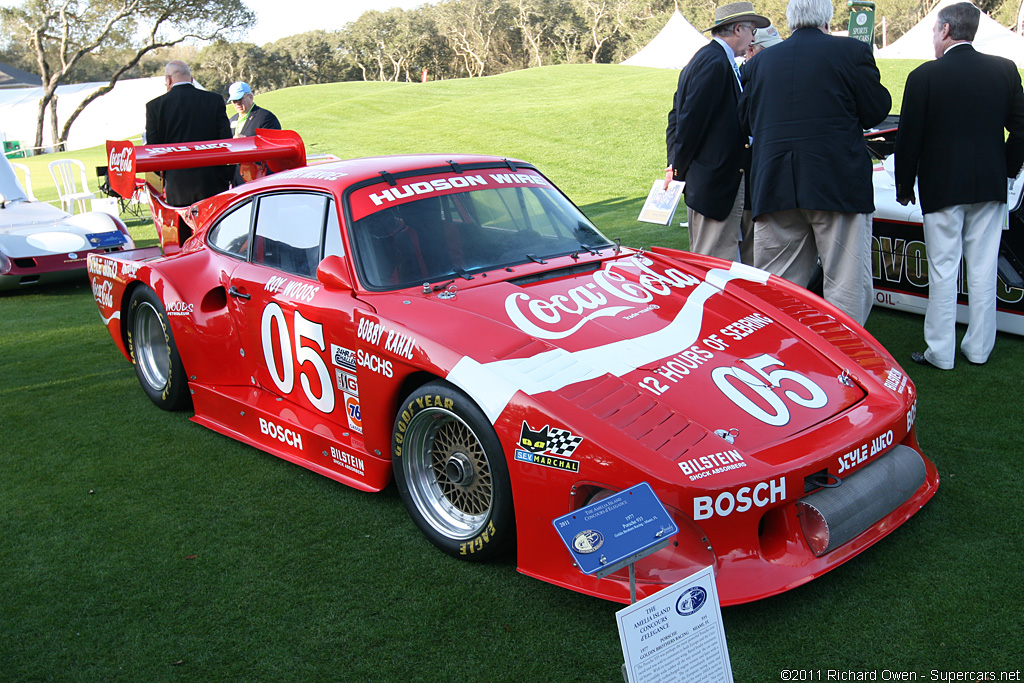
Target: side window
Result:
[[288, 230], [231, 234], [333, 245]]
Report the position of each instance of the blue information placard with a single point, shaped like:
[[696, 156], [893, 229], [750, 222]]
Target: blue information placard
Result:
[[615, 531], [106, 239]]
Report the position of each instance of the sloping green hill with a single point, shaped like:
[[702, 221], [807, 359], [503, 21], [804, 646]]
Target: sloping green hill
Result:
[[597, 131]]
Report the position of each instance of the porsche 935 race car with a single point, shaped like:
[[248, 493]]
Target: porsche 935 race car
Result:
[[456, 324], [40, 243], [900, 256]]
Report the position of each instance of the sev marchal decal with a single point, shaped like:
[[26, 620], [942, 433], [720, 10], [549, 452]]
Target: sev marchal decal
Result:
[[548, 447]]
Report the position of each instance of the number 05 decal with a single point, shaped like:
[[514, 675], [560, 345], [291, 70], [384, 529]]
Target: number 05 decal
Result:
[[738, 384], [284, 377]]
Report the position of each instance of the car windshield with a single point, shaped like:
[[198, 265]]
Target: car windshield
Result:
[[446, 236]]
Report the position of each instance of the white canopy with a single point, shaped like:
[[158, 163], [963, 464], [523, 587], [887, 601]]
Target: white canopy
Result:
[[992, 38], [119, 114], [673, 47]]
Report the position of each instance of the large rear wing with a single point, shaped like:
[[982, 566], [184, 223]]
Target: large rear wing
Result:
[[278, 149]]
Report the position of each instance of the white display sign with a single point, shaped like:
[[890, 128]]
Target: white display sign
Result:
[[676, 634]]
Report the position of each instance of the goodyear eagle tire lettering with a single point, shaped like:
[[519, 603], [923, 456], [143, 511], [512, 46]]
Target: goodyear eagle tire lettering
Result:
[[451, 473], [154, 353]]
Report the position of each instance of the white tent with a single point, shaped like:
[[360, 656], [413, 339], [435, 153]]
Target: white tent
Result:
[[119, 114], [992, 38], [673, 47]]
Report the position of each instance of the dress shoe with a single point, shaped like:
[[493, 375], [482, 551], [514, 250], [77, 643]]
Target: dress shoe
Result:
[[919, 358]]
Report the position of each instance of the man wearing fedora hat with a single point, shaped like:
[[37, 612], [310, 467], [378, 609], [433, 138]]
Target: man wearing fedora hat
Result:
[[706, 147], [806, 102]]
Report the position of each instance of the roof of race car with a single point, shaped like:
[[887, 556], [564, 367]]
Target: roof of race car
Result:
[[336, 175]]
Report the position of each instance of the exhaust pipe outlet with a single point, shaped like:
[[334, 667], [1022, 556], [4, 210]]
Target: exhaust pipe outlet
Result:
[[831, 517]]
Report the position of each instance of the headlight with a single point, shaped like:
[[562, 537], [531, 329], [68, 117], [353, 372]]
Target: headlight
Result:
[[5, 264]]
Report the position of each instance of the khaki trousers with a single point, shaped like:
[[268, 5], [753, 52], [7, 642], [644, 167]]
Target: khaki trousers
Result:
[[790, 242], [731, 239]]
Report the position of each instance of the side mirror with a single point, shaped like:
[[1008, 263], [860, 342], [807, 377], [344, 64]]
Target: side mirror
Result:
[[333, 274]]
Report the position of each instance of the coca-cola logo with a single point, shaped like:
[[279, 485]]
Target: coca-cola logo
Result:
[[120, 160], [562, 315]]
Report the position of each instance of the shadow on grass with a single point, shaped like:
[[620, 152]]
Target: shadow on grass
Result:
[[616, 217]]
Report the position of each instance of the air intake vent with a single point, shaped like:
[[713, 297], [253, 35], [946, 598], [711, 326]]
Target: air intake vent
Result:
[[635, 414], [824, 325]]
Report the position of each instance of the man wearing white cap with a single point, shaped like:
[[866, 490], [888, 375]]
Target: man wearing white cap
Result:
[[706, 147], [249, 116], [766, 37], [248, 119]]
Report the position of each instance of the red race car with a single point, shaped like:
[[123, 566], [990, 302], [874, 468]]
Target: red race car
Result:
[[456, 324]]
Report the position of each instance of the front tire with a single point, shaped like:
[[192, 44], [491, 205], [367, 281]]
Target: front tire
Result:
[[451, 473], [154, 353]]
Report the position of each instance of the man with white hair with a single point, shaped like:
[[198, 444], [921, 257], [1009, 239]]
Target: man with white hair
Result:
[[706, 147], [806, 102], [954, 112]]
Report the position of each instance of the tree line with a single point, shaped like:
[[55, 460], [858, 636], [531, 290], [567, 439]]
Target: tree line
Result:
[[74, 41], [473, 38], [447, 39]]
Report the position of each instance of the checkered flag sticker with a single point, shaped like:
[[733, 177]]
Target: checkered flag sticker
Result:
[[562, 443]]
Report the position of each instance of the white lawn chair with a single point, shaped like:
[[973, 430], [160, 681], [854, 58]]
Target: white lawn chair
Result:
[[25, 178], [63, 172]]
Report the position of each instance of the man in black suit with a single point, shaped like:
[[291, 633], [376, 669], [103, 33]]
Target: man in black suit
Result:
[[951, 138], [248, 119], [706, 147], [187, 114], [806, 102]]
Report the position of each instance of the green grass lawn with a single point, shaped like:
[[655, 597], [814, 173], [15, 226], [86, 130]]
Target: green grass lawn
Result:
[[138, 546]]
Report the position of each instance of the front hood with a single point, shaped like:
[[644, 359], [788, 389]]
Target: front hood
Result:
[[694, 340], [29, 229]]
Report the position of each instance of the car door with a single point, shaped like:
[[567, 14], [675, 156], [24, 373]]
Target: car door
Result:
[[293, 329]]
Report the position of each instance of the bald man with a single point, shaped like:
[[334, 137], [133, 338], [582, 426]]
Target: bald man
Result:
[[187, 114]]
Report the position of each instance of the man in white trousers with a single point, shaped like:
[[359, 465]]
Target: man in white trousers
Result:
[[951, 139]]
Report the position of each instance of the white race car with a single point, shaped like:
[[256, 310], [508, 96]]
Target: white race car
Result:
[[40, 243]]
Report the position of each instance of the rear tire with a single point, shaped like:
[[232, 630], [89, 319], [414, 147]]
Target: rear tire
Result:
[[452, 475], [154, 353]]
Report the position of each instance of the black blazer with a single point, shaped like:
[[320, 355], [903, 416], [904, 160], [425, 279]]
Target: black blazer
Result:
[[954, 111], [187, 114], [706, 147], [258, 118], [806, 102]]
